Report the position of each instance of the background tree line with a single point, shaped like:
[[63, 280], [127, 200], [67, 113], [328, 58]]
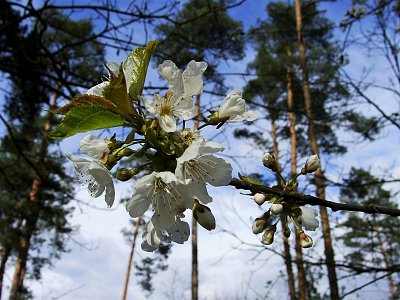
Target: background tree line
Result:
[[298, 81]]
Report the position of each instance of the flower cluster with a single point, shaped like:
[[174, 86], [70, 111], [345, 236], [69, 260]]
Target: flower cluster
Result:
[[301, 217], [178, 161]]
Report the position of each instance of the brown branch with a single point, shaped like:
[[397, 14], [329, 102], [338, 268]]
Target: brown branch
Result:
[[302, 199]]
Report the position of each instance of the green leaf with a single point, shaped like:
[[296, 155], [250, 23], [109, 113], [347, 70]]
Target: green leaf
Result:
[[116, 92], [250, 180], [135, 67], [84, 118]]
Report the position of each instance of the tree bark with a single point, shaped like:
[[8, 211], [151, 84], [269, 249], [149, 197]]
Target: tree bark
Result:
[[392, 286], [286, 246], [5, 254], [195, 271], [128, 271], [301, 275], [319, 179], [32, 213]]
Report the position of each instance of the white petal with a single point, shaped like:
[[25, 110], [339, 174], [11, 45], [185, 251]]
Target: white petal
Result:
[[184, 109], [180, 231], [93, 146], [167, 69], [165, 218], [233, 105], [81, 164], [150, 105], [219, 171], [192, 151], [176, 87], [210, 147], [138, 204], [95, 189], [198, 190], [310, 222], [100, 173], [250, 115], [192, 78], [110, 194], [97, 90], [167, 123], [151, 237], [114, 68], [166, 177]]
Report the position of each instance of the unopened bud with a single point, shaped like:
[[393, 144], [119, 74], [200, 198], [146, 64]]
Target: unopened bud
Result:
[[270, 162], [312, 164], [203, 215], [125, 174], [268, 236], [305, 240], [260, 198], [259, 225], [276, 209]]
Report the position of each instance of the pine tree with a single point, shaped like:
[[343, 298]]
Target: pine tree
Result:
[[372, 240], [36, 211]]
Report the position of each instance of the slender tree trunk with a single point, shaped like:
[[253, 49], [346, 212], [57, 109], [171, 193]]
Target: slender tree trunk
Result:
[[392, 286], [319, 179], [128, 271], [195, 266], [286, 247], [5, 254], [32, 213], [301, 275]]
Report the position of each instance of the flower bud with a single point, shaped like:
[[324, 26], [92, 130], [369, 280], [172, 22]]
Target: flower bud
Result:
[[270, 162], [268, 236], [305, 240], [259, 225], [276, 209], [312, 164], [260, 198], [125, 174], [203, 215]]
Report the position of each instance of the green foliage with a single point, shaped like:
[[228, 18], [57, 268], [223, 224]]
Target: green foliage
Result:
[[85, 118], [135, 67], [42, 62], [369, 237], [213, 37], [149, 266], [277, 59]]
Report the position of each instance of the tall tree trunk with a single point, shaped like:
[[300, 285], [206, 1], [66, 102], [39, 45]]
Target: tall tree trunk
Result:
[[286, 247], [319, 179], [301, 275], [392, 286], [128, 271], [32, 212], [195, 270], [5, 254]]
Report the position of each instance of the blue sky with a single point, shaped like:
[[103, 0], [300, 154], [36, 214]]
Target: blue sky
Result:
[[231, 261]]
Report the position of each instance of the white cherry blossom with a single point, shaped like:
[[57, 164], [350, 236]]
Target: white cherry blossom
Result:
[[153, 236], [96, 175], [234, 107], [178, 101], [164, 193], [199, 165]]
